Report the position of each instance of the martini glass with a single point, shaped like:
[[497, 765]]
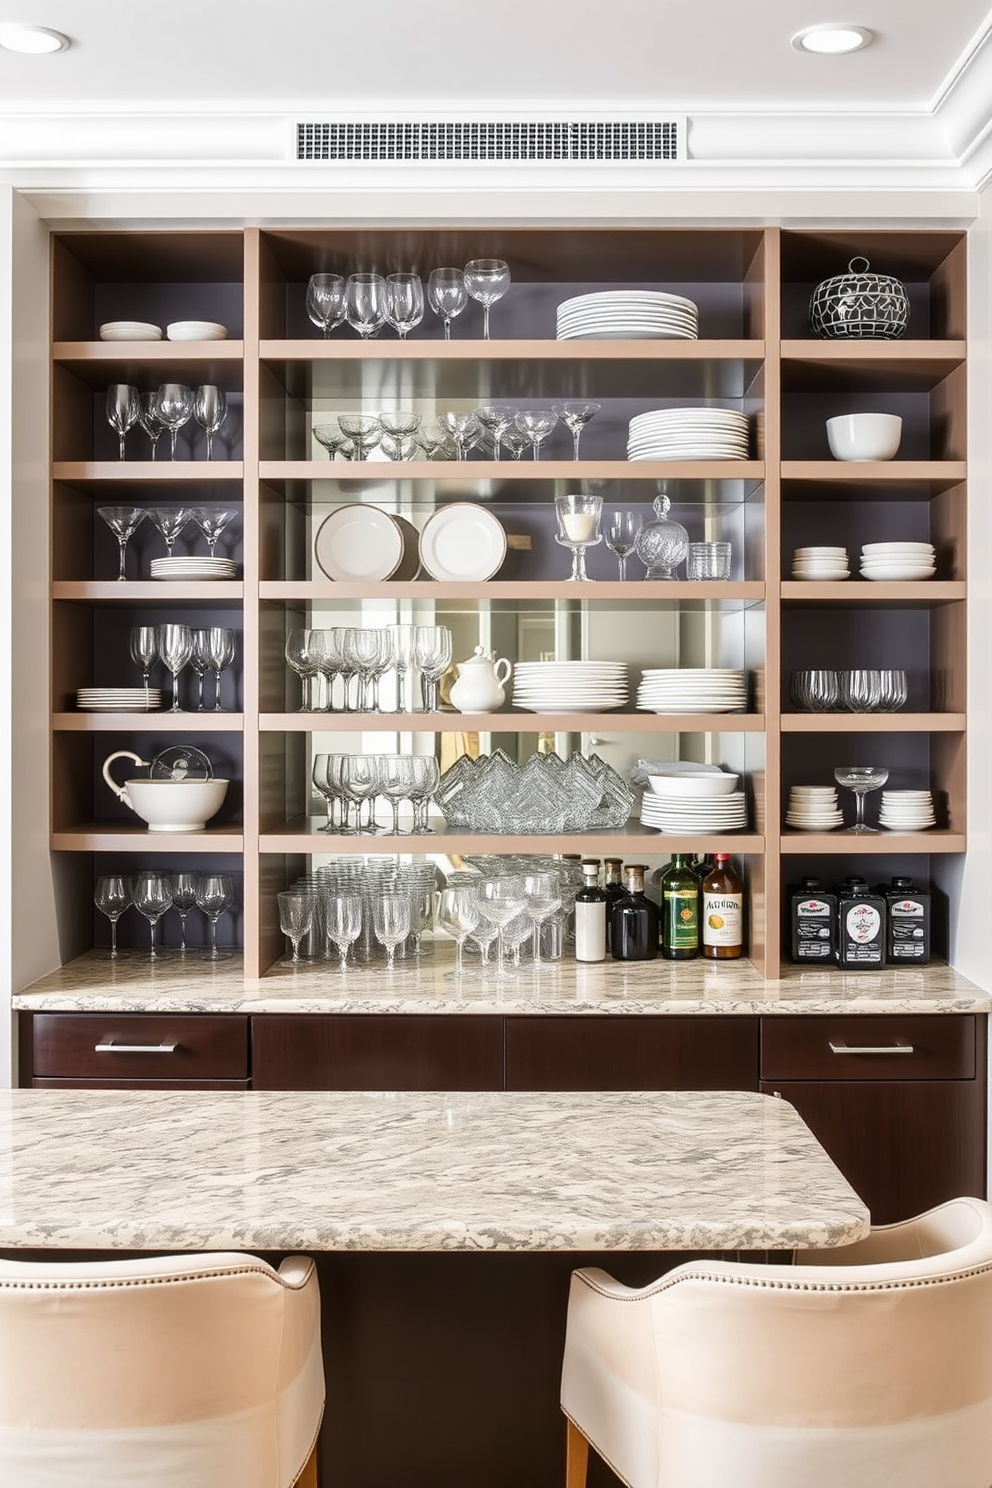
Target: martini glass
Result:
[[861, 779], [575, 416], [459, 426], [122, 410], [325, 301], [123, 522], [536, 424], [212, 521], [486, 280], [496, 419], [170, 521]]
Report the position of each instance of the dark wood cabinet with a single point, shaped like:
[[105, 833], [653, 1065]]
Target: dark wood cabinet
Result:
[[141, 1050], [303, 1051], [635, 1053]]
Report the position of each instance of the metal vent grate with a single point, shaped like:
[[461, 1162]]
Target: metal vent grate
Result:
[[499, 140]]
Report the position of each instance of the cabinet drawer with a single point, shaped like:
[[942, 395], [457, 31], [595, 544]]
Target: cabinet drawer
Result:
[[138, 1047], [373, 1052], [871, 1048], [591, 1053]]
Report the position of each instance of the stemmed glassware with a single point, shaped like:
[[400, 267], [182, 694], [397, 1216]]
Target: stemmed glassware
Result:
[[184, 886], [432, 651], [175, 648], [543, 892], [212, 521], [460, 426], [301, 656], [397, 777], [537, 424], [331, 437], [496, 419], [399, 428], [404, 302], [149, 419], [458, 914], [391, 918], [325, 301], [578, 528], [112, 896], [402, 655], [296, 912], [486, 280], [501, 900], [364, 429], [174, 406], [199, 660], [447, 295], [219, 650], [861, 779], [360, 779], [170, 521], [144, 650], [210, 411], [426, 775], [365, 303], [515, 440], [123, 522], [152, 897], [575, 416], [122, 411], [214, 894], [621, 535], [343, 922]]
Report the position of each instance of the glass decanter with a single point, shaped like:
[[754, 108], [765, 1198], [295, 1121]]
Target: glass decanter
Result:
[[662, 545]]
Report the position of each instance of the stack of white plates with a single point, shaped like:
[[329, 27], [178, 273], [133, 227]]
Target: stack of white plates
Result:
[[689, 434], [119, 699], [820, 563], [692, 690], [570, 686], [628, 315], [906, 810], [813, 808], [196, 330], [898, 561], [130, 330], [695, 818], [194, 568]]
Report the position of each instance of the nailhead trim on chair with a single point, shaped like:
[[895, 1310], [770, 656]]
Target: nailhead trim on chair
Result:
[[793, 1286], [95, 1284]]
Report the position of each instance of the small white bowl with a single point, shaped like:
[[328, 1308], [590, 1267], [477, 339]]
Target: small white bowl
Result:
[[864, 436], [196, 330], [694, 786]]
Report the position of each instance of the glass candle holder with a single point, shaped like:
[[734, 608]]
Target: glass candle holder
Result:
[[708, 560], [578, 528]]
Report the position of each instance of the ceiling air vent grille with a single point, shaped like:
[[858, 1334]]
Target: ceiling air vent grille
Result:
[[499, 140]]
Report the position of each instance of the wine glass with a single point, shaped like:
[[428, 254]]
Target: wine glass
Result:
[[123, 522], [861, 779], [447, 295], [122, 410], [199, 660], [536, 424], [148, 418], [214, 894], [432, 653], [112, 896], [296, 912], [501, 900], [343, 922], [175, 649], [402, 654], [365, 303], [364, 428], [426, 775], [486, 280], [397, 776], [543, 894], [301, 655], [174, 406], [325, 301], [212, 521], [575, 416], [152, 897], [170, 521], [184, 886], [458, 914], [621, 535], [496, 418], [360, 779], [459, 426], [221, 644], [144, 650], [578, 528], [391, 920], [210, 411], [404, 307]]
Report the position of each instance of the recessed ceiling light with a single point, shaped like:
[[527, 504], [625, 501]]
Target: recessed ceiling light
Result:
[[35, 41], [832, 41]]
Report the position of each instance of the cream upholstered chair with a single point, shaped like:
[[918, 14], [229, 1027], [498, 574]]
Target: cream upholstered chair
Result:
[[197, 1371], [864, 1367]]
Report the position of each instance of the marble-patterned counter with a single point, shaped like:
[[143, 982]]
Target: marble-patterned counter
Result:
[[195, 984], [416, 1172]]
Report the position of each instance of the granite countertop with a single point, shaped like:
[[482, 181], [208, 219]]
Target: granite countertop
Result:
[[195, 984], [505, 1171]]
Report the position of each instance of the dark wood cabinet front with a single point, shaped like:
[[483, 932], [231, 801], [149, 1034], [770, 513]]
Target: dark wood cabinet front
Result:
[[631, 1053], [365, 1052], [166, 1051]]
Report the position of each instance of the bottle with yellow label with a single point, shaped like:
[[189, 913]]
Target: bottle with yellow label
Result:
[[723, 912]]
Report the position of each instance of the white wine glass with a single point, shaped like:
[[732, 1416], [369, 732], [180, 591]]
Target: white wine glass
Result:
[[391, 921], [174, 406], [148, 418], [325, 301], [501, 900], [620, 536], [123, 522], [486, 280], [861, 779], [184, 887], [122, 411], [404, 302], [543, 891], [144, 650], [175, 648], [365, 303], [210, 412], [575, 416], [152, 897], [214, 894], [432, 653], [220, 648], [457, 914], [199, 660], [296, 916], [447, 295], [343, 922], [112, 896]]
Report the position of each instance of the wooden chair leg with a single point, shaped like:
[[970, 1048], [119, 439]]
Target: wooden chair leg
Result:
[[308, 1477], [576, 1456]]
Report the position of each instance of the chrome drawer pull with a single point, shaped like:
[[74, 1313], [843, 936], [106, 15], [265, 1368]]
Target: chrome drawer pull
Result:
[[135, 1048], [871, 1049]]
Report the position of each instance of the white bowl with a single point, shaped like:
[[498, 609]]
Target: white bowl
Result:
[[196, 330], [695, 786], [898, 572], [881, 549], [130, 330], [176, 805], [864, 436]]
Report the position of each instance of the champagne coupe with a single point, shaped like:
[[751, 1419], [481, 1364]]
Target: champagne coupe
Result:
[[404, 302], [447, 295], [325, 301], [174, 406], [123, 522], [148, 418], [212, 521], [343, 922], [214, 894], [175, 649], [515, 440], [861, 779], [152, 897], [458, 914], [501, 900], [112, 896], [486, 280], [365, 303], [460, 426], [578, 528], [575, 416], [220, 648], [621, 535], [401, 426], [364, 428], [496, 419], [210, 411], [122, 411], [536, 424], [184, 886], [170, 521], [296, 912], [391, 921], [330, 436], [144, 651]]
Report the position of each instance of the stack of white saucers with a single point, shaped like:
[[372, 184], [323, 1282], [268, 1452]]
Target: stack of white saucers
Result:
[[628, 315], [119, 699], [692, 690], [813, 808], [570, 686], [906, 810], [688, 434], [823, 563], [194, 568], [898, 561], [130, 330], [697, 817]]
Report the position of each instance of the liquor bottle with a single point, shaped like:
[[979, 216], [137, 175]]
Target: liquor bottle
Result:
[[591, 904], [907, 936], [860, 927], [723, 911], [679, 910], [613, 888], [634, 920], [813, 923]]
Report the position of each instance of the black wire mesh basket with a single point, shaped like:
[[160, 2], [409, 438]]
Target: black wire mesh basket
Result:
[[859, 306]]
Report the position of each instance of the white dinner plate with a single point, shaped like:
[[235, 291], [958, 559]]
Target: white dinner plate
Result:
[[359, 543], [130, 330], [626, 334], [628, 297], [196, 330], [898, 574], [462, 543]]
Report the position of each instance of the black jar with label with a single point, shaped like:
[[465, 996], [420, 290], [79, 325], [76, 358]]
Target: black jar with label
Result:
[[812, 924], [907, 935], [860, 927]]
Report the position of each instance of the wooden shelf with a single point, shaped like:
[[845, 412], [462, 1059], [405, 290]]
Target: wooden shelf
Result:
[[305, 834], [877, 844], [873, 723], [889, 355], [854, 593], [464, 350], [935, 474], [148, 353], [162, 722], [509, 723], [677, 592], [388, 472], [153, 471], [213, 592], [119, 837]]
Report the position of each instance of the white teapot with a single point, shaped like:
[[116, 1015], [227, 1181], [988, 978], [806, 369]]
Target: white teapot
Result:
[[479, 688]]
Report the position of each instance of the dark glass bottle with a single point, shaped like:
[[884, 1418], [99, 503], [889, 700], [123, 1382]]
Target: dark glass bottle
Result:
[[679, 909], [613, 888], [723, 911], [590, 916], [634, 920]]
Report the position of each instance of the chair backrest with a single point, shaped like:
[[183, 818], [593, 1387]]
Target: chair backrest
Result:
[[198, 1371]]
